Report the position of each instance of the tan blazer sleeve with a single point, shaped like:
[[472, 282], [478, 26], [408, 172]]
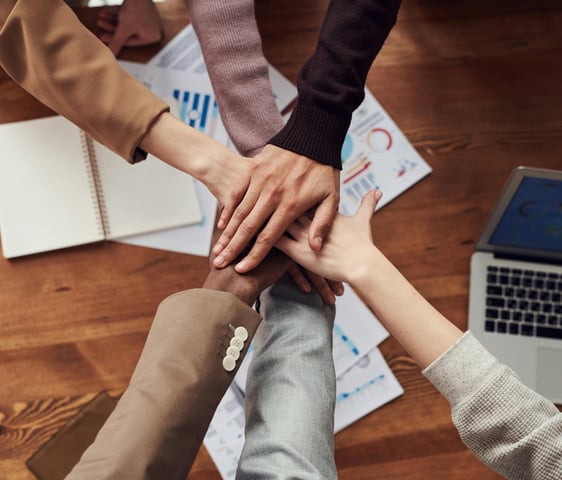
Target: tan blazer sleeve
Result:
[[159, 423], [45, 48]]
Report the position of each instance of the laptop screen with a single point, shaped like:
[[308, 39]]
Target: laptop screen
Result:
[[528, 217], [533, 218]]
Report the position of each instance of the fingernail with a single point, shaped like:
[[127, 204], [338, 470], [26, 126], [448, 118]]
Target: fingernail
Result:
[[219, 261], [339, 290], [332, 299], [220, 224], [217, 248], [318, 241], [241, 267], [378, 194]]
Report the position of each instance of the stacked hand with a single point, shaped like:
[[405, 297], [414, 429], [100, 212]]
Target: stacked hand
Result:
[[336, 260], [279, 187], [247, 287]]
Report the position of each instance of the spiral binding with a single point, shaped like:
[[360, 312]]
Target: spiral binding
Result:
[[94, 181]]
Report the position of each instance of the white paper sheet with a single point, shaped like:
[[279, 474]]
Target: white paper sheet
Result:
[[376, 154], [356, 331], [368, 385], [225, 437]]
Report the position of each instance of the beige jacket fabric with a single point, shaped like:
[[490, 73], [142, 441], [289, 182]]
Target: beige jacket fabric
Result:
[[45, 48], [159, 423]]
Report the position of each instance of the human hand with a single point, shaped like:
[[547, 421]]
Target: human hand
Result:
[[305, 280], [281, 185], [222, 174], [345, 248], [248, 286], [133, 24]]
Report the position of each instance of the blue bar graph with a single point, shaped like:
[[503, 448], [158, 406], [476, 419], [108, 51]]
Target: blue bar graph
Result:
[[344, 395], [195, 109], [204, 113], [345, 339]]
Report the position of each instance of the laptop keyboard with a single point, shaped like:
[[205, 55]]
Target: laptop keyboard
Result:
[[523, 302]]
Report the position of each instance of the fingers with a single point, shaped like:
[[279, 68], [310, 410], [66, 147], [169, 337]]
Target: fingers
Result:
[[299, 278], [242, 227], [265, 241], [288, 246], [297, 230], [240, 199], [336, 287], [322, 221], [304, 221], [323, 287], [326, 288]]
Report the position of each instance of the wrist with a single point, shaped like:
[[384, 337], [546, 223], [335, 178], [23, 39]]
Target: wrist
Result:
[[226, 281], [181, 146], [366, 270]]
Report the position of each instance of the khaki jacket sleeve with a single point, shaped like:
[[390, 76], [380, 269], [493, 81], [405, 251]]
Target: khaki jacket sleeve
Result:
[[47, 50], [159, 423]]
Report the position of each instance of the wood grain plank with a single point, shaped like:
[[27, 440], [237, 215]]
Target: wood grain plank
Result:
[[475, 86]]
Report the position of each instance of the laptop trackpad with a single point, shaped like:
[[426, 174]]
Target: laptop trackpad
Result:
[[549, 380]]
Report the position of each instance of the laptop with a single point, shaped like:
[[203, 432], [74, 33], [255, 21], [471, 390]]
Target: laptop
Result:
[[515, 306]]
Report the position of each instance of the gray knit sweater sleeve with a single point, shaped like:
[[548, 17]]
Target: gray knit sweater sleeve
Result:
[[508, 426]]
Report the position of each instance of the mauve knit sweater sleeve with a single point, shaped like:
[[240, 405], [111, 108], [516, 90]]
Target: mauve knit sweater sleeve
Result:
[[508, 426], [331, 83], [231, 45]]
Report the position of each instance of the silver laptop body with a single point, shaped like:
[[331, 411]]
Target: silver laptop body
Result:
[[515, 307]]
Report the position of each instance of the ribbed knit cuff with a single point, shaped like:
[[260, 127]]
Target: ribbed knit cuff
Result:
[[462, 369], [314, 133]]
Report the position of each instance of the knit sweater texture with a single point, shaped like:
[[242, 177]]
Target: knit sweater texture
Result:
[[508, 426]]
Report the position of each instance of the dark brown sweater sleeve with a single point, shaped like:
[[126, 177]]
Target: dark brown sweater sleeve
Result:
[[331, 84]]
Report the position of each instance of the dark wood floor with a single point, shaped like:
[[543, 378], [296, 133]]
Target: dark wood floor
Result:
[[476, 86]]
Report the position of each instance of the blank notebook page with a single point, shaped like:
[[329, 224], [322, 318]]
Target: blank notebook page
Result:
[[144, 197], [45, 196]]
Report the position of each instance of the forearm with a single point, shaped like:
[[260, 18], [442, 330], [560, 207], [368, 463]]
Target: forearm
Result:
[[511, 428], [231, 45], [155, 431], [291, 381], [420, 328], [193, 152], [45, 48], [331, 84]]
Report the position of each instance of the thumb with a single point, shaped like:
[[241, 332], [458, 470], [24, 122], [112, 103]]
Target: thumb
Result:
[[322, 222], [368, 205]]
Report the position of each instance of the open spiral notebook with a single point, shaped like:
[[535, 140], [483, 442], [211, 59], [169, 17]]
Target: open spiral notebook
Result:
[[59, 188]]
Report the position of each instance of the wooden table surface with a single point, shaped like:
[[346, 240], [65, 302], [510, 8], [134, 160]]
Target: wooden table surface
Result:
[[476, 87]]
